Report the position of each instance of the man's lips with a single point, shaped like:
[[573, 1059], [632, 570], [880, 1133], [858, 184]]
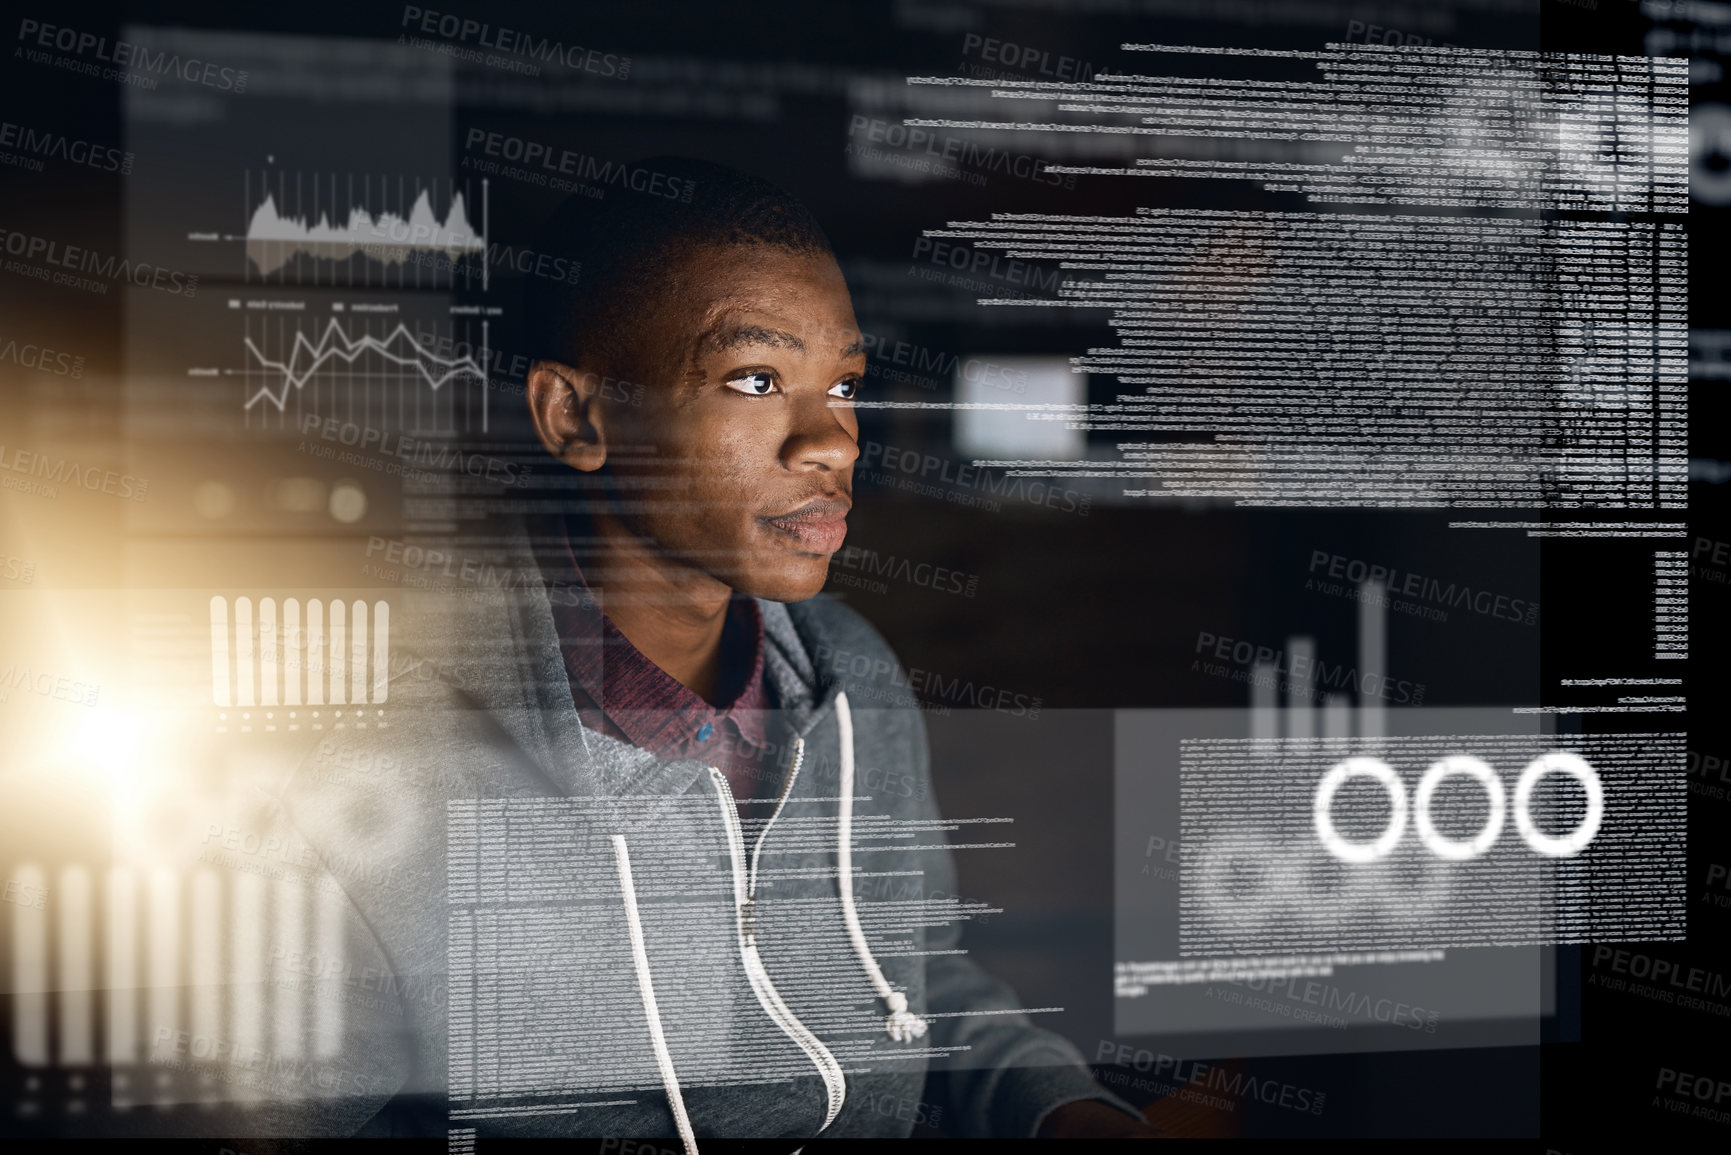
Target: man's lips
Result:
[[817, 526]]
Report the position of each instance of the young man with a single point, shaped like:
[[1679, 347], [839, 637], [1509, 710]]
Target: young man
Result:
[[618, 853]]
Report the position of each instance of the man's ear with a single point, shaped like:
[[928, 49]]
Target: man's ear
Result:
[[566, 406]]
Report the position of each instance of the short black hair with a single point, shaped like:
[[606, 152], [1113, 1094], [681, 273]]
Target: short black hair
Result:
[[628, 246]]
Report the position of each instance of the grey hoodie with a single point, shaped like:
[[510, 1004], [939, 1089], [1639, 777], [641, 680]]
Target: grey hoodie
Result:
[[549, 932]]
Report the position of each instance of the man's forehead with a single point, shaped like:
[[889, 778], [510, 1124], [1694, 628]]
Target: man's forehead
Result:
[[739, 329]]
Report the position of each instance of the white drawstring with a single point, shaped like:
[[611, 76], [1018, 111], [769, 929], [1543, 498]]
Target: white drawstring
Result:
[[903, 1026], [834, 1082], [640, 959]]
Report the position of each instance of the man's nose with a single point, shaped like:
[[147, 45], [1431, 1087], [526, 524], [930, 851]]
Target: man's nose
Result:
[[818, 438]]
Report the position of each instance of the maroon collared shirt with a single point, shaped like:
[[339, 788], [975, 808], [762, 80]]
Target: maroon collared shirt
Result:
[[621, 693]]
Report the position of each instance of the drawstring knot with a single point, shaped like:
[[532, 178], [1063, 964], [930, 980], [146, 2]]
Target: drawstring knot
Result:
[[902, 1025]]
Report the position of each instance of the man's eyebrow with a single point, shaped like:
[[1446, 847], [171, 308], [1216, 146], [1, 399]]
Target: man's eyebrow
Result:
[[854, 349], [735, 336]]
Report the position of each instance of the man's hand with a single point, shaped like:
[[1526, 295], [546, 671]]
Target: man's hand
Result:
[[1092, 1119]]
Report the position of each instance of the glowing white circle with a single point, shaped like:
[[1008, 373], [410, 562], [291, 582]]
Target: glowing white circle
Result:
[[1459, 765], [1576, 767], [1338, 776]]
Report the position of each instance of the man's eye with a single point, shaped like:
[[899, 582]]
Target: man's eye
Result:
[[755, 384], [846, 390]]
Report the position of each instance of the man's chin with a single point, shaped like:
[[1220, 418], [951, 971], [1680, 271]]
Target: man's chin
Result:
[[794, 579]]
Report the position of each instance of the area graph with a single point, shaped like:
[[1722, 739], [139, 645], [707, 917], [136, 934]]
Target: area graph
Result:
[[365, 230]]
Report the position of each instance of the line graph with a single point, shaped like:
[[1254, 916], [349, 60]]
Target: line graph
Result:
[[376, 372], [364, 230], [334, 343]]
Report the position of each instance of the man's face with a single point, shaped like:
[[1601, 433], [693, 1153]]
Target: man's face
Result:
[[739, 461]]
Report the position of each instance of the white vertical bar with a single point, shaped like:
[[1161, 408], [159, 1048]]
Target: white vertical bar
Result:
[[328, 948], [337, 654], [30, 968], [294, 659], [381, 652], [75, 902], [219, 689], [162, 960], [267, 682], [1372, 655], [358, 653], [247, 966], [1337, 716], [205, 955], [1301, 698], [315, 653], [122, 954], [287, 1040], [1264, 700], [243, 651]]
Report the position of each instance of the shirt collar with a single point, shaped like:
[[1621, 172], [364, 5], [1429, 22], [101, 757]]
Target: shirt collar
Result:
[[650, 708]]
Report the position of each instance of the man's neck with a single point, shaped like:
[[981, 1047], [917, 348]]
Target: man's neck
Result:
[[673, 613]]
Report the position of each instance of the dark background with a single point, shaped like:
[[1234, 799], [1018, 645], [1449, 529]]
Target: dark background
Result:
[[1086, 613]]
